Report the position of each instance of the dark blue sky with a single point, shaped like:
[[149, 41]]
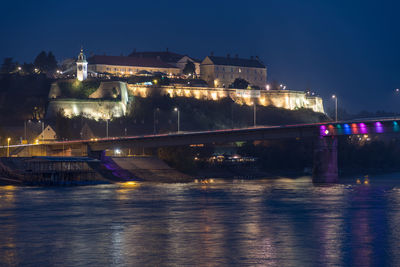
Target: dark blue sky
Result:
[[350, 48]]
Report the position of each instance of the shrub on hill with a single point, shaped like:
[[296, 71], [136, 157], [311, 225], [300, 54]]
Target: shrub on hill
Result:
[[77, 89]]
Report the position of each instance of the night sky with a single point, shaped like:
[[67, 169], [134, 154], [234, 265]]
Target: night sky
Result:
[[350, 48]]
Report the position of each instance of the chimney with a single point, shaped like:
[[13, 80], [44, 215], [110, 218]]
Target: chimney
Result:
[[228, 56], [212, 53], [257, 58], [167, 49]]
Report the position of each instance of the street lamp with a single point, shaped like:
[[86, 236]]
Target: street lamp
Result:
[[8, 146], [42, 124], [177, 110], [254, 113], [107, 127], [154, 120], [336, 99]]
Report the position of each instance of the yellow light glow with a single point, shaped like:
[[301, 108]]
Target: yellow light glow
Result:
[[130, 184]]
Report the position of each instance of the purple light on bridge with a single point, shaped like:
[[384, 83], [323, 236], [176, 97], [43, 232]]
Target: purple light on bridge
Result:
[[378, 127], [363, 128], [323, 131]]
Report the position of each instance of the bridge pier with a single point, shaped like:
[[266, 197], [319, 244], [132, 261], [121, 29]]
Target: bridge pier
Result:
[[325, 169]]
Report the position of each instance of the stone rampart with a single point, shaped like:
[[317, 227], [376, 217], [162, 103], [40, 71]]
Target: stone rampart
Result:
[[278, 98]]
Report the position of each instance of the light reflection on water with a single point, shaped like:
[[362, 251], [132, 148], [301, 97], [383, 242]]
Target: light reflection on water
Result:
[[281, 222]]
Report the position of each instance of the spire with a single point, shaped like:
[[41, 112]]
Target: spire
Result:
[[81, 56]]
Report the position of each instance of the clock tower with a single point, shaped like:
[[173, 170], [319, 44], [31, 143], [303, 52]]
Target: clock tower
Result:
[[81, 66]]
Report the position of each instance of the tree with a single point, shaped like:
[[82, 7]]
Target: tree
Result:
[[45, 62], [239, 83], [189, 68], [8, 65], [51, 61], [28, 68], [63, 125]]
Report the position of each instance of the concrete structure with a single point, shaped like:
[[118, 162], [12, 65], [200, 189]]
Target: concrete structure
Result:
[[110, 100], [81, 67], [278, 98], [222, 71], [127, 65]]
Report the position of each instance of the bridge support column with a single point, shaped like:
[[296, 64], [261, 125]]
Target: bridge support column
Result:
[[325, 169]]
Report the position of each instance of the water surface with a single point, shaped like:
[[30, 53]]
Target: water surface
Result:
[[280, 222]]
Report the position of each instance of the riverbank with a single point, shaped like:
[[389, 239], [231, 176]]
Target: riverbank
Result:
[[84, 171]]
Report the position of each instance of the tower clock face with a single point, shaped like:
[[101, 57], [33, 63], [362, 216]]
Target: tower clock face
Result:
[[80, 67]]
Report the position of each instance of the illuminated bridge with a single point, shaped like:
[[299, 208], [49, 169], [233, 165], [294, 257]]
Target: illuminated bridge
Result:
[[325, 145]]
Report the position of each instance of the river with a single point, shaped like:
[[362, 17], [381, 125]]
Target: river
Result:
[[278, 222]]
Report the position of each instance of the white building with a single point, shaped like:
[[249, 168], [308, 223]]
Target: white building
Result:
[[81, 67]]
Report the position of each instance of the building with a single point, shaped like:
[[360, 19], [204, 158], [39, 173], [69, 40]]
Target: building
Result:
[[222, 71], [81, 66], [47, 135], [127, 65], [171, 58]]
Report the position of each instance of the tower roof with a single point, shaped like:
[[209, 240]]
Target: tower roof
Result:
[[81, 56]]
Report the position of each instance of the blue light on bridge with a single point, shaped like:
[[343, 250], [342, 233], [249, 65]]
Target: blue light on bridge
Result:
[[347, 129]]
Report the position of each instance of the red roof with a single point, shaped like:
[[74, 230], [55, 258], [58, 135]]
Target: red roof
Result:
[[129, 61]]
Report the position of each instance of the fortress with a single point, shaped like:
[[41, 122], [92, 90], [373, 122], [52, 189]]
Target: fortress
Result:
[[110, 99]]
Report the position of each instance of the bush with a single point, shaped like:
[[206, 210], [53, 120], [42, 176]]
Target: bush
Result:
[[77, 89]]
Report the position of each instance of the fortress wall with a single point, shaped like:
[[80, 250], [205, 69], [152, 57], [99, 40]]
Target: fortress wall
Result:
[[102, 109], [278, 98]]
